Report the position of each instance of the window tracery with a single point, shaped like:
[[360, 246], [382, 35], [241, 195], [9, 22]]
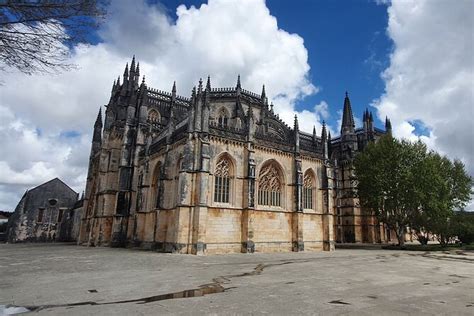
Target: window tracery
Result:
[[269, 186], [154, 116], [222, 118], [308, 191], [222, 182]]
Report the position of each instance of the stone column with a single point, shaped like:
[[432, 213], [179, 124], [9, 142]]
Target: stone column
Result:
[[328, 216], [298, 216], [248, 245]]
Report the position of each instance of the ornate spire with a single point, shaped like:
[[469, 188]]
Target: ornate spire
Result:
[[264, 95], [271, 107], [238, 83], [193, 95], [114, 86], [371, 118], [132, 65], [118, 81], [200, 86], [137, 71], [314, 133], [296, 126], [98, 120], [125, 73], [97, 136], [208, 84], [347, 125], [388, 125], [173, 90], [143, 80], [324, 132]]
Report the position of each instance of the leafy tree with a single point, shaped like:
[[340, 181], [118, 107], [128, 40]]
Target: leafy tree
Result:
[[463, 226], [444, 187], [35, 35], [408, 186], [386, 175]]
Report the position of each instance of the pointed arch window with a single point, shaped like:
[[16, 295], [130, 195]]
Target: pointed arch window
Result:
[[157, 192], [222, 180], [154, 116], [222, 118], [308, 190], [270, 186]]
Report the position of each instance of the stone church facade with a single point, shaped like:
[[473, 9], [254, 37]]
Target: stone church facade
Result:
[[220, 172]]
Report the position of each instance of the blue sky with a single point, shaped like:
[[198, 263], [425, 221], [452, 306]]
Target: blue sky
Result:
[[347, 44], [307, 52]]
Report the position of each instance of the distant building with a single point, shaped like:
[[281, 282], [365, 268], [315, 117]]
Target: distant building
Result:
[[3, 225], [221, 172], [48, 212]]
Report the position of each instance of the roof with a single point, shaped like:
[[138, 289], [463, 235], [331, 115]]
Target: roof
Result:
[[52, 180]]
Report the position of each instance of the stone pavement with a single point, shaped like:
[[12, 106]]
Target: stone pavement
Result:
[[55, 279]]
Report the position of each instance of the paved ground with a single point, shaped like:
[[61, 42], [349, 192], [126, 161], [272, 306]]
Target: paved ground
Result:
[[67, 279]]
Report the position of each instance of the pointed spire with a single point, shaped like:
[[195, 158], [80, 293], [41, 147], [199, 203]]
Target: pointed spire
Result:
[[264, 95], [271, 107], [200, 86], [371, 118], [143, 80], [97, 136], [125, 73], [388, 125], [132, 65], [118, 81], [137, 71], [347, 125], [295, 125], [314, 132], [114, 86], [98, 120], [324, 132], [329, 137], [193, 95], [208, 84], [238, 82], [173, 90]]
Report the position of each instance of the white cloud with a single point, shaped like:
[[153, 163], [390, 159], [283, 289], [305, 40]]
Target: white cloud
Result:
[[431, 74], [222, 38]]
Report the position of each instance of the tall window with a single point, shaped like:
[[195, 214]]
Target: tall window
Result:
[[308, 191], [156, 185], [222, 178], [222, 119], [269, 186]]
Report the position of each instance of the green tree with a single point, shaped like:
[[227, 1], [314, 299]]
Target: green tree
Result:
[[463, 226], [386, 172], [407, 186], [444, 188]]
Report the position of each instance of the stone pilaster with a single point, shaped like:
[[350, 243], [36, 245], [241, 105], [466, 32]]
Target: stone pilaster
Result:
[[248, 245], [200, 210]]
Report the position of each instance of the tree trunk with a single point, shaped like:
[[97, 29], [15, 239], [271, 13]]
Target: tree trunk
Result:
[[400, 231]]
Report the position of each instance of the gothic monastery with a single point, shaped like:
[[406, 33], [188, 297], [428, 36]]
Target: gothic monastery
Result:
[[220, 172]]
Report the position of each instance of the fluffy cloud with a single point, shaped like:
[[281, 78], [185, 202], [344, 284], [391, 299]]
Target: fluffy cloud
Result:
[[430, 78], [48, 118]]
